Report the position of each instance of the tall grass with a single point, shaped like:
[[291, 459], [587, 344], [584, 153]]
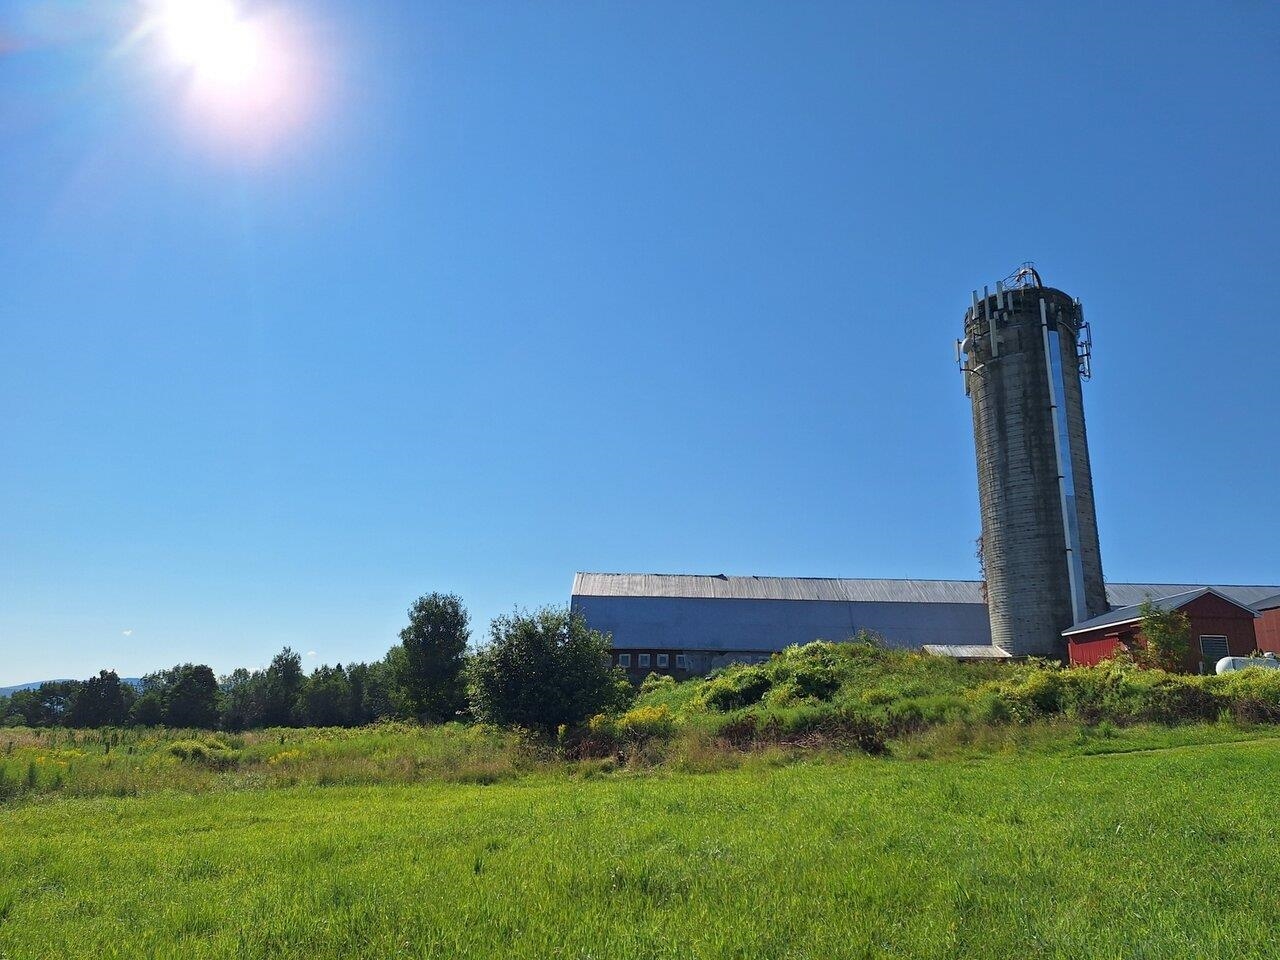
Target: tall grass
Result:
[[130, 762]]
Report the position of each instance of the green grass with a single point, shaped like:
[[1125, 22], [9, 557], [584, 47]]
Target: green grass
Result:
[[1026, 842]]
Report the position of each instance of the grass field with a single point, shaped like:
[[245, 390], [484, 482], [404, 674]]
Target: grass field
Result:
[[1139, 843]]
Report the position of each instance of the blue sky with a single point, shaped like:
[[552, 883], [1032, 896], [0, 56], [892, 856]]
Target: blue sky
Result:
[[539, 287]]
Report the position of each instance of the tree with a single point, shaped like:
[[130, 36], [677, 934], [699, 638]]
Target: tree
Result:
[[241, 698], [376, 692], [47, 705], [435, 642], [148, 709], [101, 701], [326, 698], [191, 699], [1168, 637], [543, 669], [284, 679]]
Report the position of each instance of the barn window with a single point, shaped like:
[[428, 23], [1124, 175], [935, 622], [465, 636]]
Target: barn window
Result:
[[624, 659], [681, 661], [644, 659], [1214, 648], [663, 659]]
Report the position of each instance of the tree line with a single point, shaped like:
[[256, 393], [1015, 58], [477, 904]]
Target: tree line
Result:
[[537, 670]]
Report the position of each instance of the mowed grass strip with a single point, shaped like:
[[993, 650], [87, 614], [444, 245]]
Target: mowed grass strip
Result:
[[1141, 855]]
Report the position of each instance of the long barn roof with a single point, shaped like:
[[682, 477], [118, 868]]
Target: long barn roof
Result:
[[722, 587]]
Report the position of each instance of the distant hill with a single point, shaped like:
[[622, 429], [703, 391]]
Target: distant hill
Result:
[[5, 691]]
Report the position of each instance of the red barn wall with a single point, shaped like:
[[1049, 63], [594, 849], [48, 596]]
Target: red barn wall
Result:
[[1090, 649], [1209, 616], [1268, 630]]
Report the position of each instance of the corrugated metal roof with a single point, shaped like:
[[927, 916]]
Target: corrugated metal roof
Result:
[[723, 587], [1126, 594], [1134, 612], [1267, 603], [964, 651]]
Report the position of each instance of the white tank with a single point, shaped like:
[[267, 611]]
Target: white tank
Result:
[[1231, 664]]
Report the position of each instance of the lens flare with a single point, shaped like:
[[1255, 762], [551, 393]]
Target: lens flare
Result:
[[245, 70]]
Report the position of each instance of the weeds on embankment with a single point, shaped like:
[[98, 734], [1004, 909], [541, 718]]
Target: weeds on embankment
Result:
[[863, 695], [814, 699]]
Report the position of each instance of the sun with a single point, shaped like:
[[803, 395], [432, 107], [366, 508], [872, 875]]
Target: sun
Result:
[[243, 69], [215, 40]]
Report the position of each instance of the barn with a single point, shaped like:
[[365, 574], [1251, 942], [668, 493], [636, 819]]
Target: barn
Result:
[[1268, 623], [686, 624], [1220, 627]]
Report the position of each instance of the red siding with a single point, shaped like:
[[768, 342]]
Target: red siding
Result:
[[1268, 630], [1090, 649], [1209, 616]]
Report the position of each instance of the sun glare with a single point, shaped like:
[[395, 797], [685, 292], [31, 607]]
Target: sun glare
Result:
[[213, 39], [243, 66]]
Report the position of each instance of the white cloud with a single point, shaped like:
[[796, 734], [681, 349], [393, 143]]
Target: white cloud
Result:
[[126, 633], [311, 653]]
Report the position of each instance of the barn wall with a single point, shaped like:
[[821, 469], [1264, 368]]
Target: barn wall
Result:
[[1212, 615], [1268, 630], [1093, 648], [742, 626]]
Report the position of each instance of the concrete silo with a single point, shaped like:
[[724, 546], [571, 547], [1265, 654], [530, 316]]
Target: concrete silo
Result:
[[1025, 352]]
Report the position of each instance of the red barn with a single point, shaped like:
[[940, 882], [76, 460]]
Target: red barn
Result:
[[1268, 625], [1220, 627]]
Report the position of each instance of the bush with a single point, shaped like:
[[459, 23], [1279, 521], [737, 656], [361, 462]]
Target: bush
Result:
[[1123, 693], [647, 723], [917, 713], [655, 682], [1250, 696], [804, 673], [738, 688], [209, 752], [1029, 696], [544, 670], [640, 724]]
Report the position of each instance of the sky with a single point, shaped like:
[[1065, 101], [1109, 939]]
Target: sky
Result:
[[469, 296]]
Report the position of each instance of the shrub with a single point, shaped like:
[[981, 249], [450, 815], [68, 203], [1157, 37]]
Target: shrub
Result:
[[917, 713], [796, 679], [209, 752], [655, 682], [738, 688], [1250, 696], [605, 732], [1167, 634], [1021, 698], [646, 723], [544, 669]]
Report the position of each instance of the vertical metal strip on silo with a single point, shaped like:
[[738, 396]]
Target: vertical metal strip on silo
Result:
[[1062, 450], [994, 345]]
